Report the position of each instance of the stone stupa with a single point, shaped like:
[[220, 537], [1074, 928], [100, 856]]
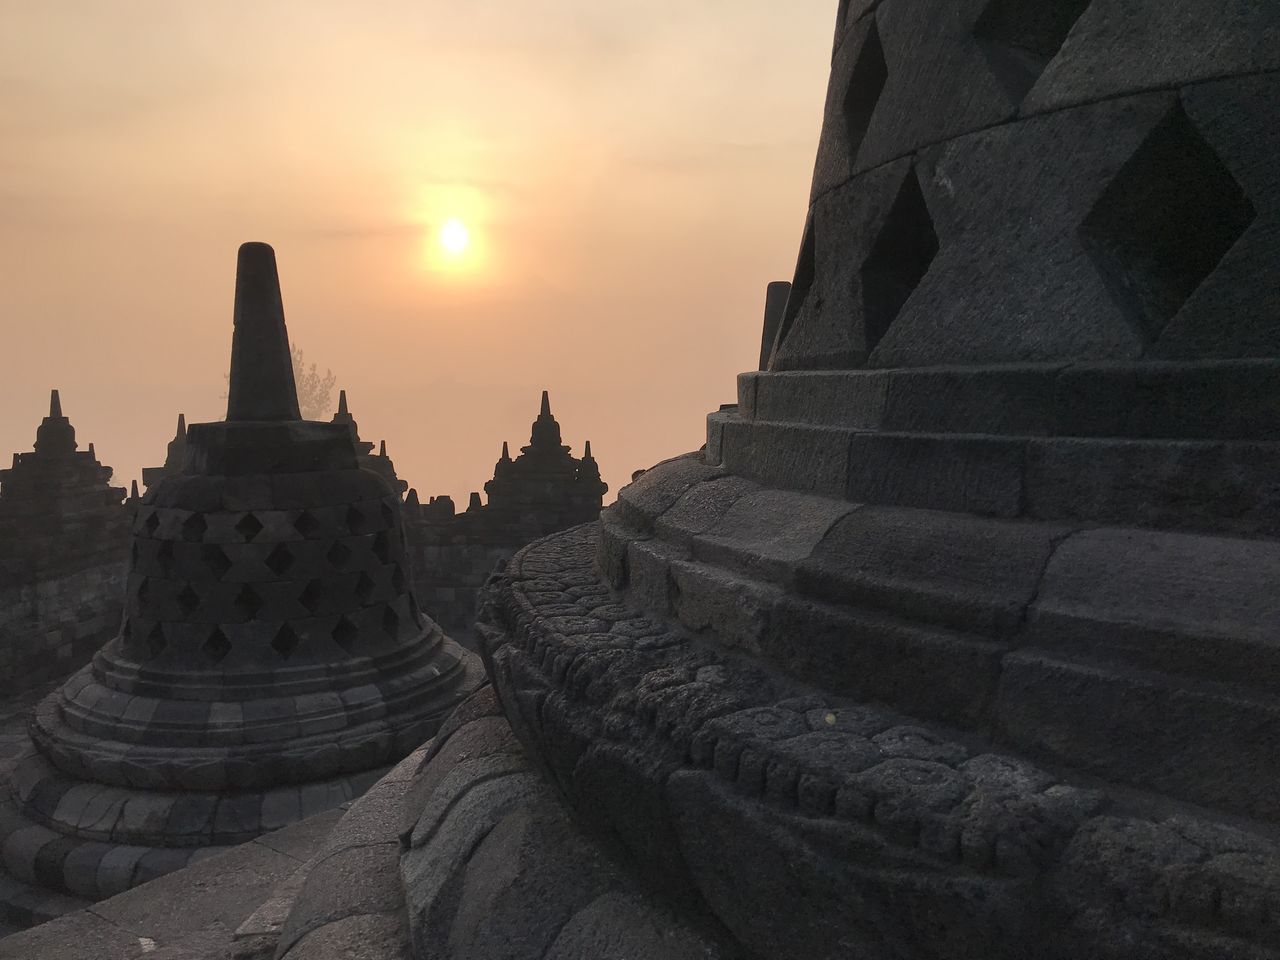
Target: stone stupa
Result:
[[958, 638], [272, 659]]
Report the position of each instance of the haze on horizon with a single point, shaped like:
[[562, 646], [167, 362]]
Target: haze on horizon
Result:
[[630, 175]]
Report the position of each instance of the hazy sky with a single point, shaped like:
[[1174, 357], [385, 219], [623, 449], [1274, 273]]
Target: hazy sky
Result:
[[632, 174]]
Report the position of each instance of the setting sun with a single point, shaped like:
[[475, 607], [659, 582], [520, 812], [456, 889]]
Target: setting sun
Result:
[[454, 236]]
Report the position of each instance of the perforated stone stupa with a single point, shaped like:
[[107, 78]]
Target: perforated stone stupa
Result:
[[272, 659], [957, 639]]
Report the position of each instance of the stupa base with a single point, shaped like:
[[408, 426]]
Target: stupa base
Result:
[[733, 785]]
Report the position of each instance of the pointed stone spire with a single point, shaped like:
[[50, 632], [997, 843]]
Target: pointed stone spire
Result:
[[475, 504], [586, 451], [506, 452], [93, 454], [382, 448], [342, 404], [133, 490], [55, 435], [182, 426], [545, 436], [262, 385], [411, 502]]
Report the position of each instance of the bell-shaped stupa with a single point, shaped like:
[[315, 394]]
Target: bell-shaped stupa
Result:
[[272, 658]]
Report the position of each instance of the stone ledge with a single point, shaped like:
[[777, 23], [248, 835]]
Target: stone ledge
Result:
[[615, 719]]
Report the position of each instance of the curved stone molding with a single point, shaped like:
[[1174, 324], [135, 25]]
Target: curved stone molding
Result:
[[493, 865], [750, 789]]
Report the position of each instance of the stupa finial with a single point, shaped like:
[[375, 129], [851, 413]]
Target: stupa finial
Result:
[[55, 404], [546, 404], [262, 385], [342, 403]]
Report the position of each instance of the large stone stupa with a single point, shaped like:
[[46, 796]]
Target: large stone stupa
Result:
[[272, 658], [958, 638]]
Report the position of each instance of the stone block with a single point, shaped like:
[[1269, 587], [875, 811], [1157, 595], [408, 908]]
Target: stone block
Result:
[[809, 459], [955, 570], [1191, 485], [1117, 47], [1143, 730], [768, 533], [1195, 606], [970, 474], [928, 672]]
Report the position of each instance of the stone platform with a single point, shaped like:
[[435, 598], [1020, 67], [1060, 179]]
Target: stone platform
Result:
[[886, 830]]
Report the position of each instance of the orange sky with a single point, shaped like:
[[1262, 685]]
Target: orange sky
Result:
[[633, 172]]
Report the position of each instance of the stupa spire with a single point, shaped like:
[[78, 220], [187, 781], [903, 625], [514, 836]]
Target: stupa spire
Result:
[[342, 403], [546, 404], [55, 404], [262, 385], [506, 451]]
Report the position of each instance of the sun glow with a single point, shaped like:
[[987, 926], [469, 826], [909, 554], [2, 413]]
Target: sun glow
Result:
[[453, 217], [454, 236]]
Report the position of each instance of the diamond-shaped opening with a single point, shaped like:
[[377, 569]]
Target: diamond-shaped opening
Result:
[[164, 556], [800, 286], [312, 596], [356, 521], [339, 554], [345, 633], [280, 560], [216, 647], [898, 260], [188, 601], [306, 524], [156, 642], [866, 84], [391, 622], [286, 641], [365, 588], [1020, 37], [382, 546], [248, 527], [397, 579], [215, 560], [248, 603], [1164, 223], [194, 527], [151, 524]]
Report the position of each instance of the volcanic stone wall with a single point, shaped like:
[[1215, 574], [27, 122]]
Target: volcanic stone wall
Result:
[[51, 626]]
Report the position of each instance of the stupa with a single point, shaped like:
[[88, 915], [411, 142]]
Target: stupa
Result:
[[63, 549], [379, 462], [957, 639], [175, 457], [272, 660], [546, 488]]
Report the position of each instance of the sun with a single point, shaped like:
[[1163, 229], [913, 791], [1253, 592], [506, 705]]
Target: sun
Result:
[[455, 237]]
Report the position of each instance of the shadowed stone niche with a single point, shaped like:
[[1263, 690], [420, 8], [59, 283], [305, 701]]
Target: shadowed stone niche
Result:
[[957, 640], [272, 660]]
